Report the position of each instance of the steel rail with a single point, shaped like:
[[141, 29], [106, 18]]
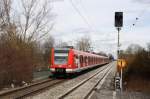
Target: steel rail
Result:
[[29, 89], [83, 82], [102, 79]]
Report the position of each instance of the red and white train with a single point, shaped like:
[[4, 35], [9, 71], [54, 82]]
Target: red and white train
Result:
[[68, 60]]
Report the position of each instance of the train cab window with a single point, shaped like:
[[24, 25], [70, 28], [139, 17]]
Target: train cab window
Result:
[[61, 56]]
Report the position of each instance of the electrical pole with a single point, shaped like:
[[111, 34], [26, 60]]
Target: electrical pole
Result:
[[118, 45], [118, 25]]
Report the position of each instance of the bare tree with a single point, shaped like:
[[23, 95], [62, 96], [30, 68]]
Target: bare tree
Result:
[[148, 46], [61, 44], [84, 44], [49, 43], [20, 29], [133, 49], [137, 60], [102, 53], [111, 57], [5, 8], [34, 22], [6, 24], [47, 46]]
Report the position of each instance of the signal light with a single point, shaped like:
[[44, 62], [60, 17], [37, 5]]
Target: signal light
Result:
[[118, 19]]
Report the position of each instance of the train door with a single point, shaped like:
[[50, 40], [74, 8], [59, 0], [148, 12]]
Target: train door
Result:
[[85, 63], [77, 61], [86, 60], [81, 60]]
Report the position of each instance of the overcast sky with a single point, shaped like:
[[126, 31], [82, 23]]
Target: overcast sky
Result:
[[96, 20]]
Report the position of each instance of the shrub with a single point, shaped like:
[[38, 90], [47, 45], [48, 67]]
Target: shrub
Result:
[[17, 59], [138, 60]]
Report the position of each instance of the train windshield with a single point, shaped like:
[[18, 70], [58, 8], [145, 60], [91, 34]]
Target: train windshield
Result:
[[61, 56]]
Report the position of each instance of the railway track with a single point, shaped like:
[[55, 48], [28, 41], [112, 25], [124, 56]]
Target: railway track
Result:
[[20, 92], [79, 91], [39, 87]]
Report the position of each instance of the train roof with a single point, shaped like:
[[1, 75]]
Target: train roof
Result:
[[88, 53], [81, 52]]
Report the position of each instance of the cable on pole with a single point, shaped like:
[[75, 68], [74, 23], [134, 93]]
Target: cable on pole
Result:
[[78, 11]]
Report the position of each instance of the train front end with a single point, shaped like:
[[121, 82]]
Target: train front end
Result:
[[61, 60]]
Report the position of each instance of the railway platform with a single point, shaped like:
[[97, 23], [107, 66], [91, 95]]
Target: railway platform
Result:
[[107, 90]]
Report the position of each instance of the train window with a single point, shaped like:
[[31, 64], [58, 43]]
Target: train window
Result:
[[61, 56], [96, 59], [85, 59], [81, 59], [61, 50], [93, 60], [61, 59], [88, 60]]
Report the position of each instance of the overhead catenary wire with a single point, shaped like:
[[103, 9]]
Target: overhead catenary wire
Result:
[[81, 15], [84, 9]]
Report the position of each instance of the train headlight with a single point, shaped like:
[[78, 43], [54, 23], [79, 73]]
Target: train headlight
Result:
[[60, 65], [69, 65]]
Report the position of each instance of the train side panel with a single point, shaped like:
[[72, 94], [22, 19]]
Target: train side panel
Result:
[[76, 61]]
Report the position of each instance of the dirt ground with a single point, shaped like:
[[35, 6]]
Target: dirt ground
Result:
[[137, 83]]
